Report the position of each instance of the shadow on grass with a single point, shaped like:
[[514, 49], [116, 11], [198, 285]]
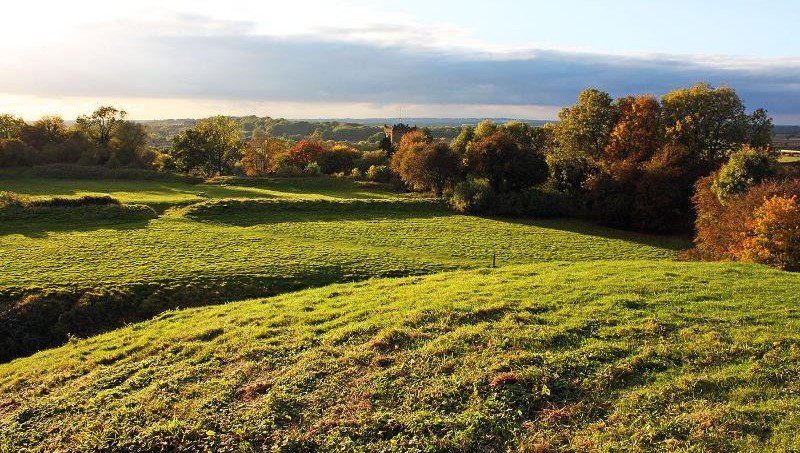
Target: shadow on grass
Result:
[[674, 242], [38, 222], [258, 212]]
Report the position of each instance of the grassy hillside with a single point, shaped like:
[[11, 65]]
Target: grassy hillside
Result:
[[77, 274], [601, 355]]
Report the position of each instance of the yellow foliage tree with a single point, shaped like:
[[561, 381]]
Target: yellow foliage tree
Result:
[[774, 237]]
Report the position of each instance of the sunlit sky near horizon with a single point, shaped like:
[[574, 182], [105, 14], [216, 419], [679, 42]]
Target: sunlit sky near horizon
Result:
[[358, 58]]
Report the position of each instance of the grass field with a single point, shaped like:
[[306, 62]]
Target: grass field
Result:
[[611, 356], [87, 274], [584, 338]]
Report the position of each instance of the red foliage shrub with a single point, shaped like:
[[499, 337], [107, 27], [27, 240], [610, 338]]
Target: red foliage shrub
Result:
[[756, 226]]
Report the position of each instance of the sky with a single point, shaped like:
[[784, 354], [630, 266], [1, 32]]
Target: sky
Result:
[[370, 59]]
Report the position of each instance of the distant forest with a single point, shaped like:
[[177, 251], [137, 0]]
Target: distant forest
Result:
[[365, 134]]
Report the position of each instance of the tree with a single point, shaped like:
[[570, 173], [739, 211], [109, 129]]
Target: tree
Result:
[[260, 154], [45, 131], [99, 125], [425, 164], [212, 147], [499, 158], [127, 143], [708, 121], [745, 168], [585, 128], [637, 135], [16, 153], [760, 129], [463, 139], [484, 129], [386, 145], [304, 152], [10, 126], [340, 158]]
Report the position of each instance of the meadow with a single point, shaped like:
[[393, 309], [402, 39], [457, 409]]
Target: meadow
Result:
[[69, 272], [593, 356], [324, 314]]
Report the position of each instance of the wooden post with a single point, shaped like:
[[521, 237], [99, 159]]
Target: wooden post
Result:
[[494, 259]]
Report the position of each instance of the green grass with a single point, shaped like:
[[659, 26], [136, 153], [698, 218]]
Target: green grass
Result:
[[598, 355], [163, 194], [79, 274]]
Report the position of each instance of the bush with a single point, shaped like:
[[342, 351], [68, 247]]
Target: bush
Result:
[[15, 153], [286, 170], [476, 196], [340, 158], [370, 158], [312, 169], [379, 173], [472, 196], [774, 234], [726, 231], [744, 169]]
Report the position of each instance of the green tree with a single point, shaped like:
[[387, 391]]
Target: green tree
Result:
[[709, 122], [506, 165], [128, 142], [463, 139], [99, 125], [210, 148], [745, 169], [584, 129], [10, 126], [760, 129]]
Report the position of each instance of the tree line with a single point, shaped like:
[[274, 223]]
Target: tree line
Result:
[[674, 163], [103, 137]]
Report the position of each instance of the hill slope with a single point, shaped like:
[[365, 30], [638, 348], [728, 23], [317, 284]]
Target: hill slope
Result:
[[596, 355]]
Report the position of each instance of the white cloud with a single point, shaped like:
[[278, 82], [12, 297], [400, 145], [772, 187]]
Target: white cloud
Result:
[[294, 57]]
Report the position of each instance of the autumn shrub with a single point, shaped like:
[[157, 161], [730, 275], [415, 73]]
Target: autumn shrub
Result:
[[260, 155], [426, 165], [726, 231], [773, 235]]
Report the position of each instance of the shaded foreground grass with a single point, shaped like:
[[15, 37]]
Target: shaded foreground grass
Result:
[[606, 355]]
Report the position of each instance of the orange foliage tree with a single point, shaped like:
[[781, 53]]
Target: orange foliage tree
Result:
[[637, 135], [424, 164], [261, 153], [774, 234], [304, 152]]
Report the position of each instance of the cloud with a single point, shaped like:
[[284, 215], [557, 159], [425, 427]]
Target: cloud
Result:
[[377, 64]]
